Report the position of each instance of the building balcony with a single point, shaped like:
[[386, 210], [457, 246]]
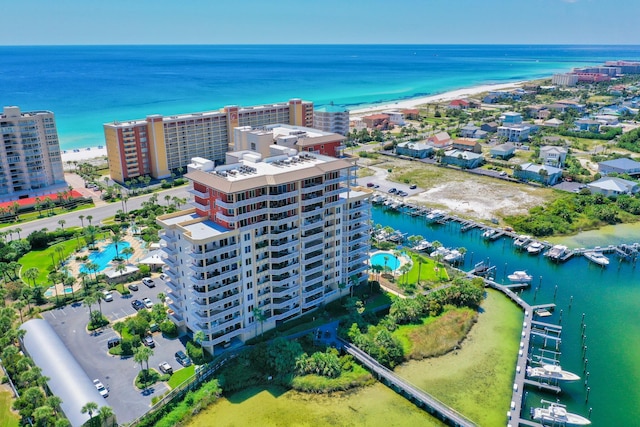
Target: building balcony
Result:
[[286, 313], [336, 192], [311, 245], [213, 251], [312, 188], [283, 291], [357, 269], [177, 319], [171, 262], [201, 194], [284, 231], [285, 257], [319, 268], [213, 291], [335, 180], [282, 244], [282, 267], [283, 220], [338, 202], [284, 278]]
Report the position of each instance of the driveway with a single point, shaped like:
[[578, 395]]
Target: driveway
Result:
[[116, 373]]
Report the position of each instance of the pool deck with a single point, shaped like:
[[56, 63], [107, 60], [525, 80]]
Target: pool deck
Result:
[[74, 266]]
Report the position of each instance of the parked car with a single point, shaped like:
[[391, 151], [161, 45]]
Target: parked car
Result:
[[148, 341], [393, 190], [413, 187], [107, 296], [369, 184], [101, 388], [503, 173], [165, 277], [113, 342], [376, 186], [402, 193], [148, 281], [165, 368], [133, 287], [147, 302], [182, 358], [137, 304]]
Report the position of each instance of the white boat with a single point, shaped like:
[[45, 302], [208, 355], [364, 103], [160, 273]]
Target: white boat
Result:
[[596, 257], [489, 233], [521, 241], [557, 414], [422, 246], [553, 372], [440, 252], [434, 215], [535, 248], [454, 255], [557, 252], [520, 276]]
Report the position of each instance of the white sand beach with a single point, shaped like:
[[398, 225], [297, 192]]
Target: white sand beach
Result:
[[442, 97], [83, 154]]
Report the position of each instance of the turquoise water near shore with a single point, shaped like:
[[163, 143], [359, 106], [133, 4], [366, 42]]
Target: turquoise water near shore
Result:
[[607, 297], [86, 86]]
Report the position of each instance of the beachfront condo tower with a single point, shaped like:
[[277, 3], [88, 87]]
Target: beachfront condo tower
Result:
[[268, 239], [331, 118], [30, 162], [161, 145]]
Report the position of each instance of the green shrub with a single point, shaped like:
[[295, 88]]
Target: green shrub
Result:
[[169, 329]]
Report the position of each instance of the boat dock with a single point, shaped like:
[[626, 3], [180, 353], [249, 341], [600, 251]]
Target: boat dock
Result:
[[529, 328], [421, 398]]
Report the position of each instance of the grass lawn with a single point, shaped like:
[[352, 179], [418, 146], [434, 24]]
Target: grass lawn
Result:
[[181, 376], [436, 336], [428, 271], [42, 259], [7, 418], [32, 216]]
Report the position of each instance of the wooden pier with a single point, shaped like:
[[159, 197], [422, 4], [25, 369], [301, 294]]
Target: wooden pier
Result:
[[421, 398]]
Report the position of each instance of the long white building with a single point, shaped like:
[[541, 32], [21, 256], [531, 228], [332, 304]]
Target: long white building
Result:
[[268, 239], [30, 162]]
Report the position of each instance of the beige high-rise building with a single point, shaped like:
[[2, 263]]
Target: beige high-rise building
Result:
[[30, 162], [268, 239], [160, 145]]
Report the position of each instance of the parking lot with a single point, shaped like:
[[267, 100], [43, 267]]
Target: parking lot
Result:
[[116, 373]]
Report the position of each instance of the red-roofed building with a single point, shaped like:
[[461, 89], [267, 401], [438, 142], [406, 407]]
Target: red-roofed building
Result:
[[593, 77], [411, 113], [377, 121], [459, 104], [466, 144], [440, 140]]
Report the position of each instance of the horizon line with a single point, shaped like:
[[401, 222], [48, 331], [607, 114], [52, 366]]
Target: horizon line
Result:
[[322, 44]]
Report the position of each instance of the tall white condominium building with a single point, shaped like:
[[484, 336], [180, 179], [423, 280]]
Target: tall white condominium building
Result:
[[331, 118], [268, 239], [30, 163]]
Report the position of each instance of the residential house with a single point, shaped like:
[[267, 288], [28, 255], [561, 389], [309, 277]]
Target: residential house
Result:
[[492, 98], [440, 140], [503, 151], [489, 127], [468, 131], [511, 117], [581, 108], [466, 144], [377, 121], [612, 186], [621, 166], [464, 159], [587, 125], [515, 132], [395, 117], [538, 112], [553, 155], [552, 123], [419, 150], [411, 113], [458, 104], [545, 174], [607, 120]]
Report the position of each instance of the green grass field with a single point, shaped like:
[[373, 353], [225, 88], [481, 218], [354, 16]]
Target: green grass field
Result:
[[43, 262], [427, 271], [7, 418], [181, 376]]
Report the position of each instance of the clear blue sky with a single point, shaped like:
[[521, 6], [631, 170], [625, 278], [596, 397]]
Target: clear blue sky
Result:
[[37, 22]]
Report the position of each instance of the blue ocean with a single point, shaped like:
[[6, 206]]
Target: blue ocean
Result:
[[86, 86]]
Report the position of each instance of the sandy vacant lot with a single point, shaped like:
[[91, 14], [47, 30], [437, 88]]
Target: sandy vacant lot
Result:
[[461, 193]]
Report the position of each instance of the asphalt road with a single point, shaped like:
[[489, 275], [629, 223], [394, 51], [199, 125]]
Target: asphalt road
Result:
[[116, 373], [98, 213]]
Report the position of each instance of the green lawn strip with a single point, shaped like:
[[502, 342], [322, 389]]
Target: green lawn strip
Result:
[[180, 376], [428, 271], [43, 262], [33, 216], [7, 418]]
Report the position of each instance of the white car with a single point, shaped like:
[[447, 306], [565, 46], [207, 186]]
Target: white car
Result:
[[147, 302], [107, 295], [101, 388], [165, 368], [165, 277]]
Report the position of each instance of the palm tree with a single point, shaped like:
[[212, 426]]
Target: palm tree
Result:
[[259, 315], [81, 220], [355, 281], [89, 218], [198, 337], [162, 296], [17, 230], [106, 413], [341, 287], [140, 355], [32, 274], [115, 239], [90, 408], [19, 305], [89, 301], [128, 251], [62, 222]]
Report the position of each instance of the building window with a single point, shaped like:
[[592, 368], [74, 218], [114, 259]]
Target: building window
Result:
[[249, 285], [247, 237]]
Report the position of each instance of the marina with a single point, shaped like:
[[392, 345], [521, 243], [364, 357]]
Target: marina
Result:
[[563, 287]]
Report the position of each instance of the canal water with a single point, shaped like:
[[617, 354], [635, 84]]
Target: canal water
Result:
[[609, 300]]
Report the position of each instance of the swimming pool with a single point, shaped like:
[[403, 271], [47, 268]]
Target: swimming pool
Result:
[[103, 257], [391, 260]]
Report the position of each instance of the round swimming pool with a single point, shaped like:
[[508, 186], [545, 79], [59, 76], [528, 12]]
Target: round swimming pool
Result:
[[385, 259]]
